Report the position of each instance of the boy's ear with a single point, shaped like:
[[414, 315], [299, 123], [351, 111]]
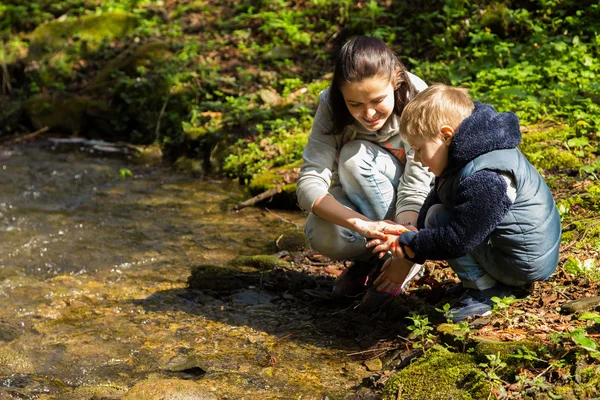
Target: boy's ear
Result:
[[447, 133]]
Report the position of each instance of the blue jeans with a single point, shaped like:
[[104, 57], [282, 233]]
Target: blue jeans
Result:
[[479, 269], [369, 177]]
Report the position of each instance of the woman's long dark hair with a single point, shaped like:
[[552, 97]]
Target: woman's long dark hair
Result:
[[361, 58]]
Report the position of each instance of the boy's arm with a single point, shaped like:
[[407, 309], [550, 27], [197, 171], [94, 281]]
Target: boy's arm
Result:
[[481, 203]]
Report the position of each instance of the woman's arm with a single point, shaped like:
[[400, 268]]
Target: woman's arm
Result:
[[328, 208], [319, 158]]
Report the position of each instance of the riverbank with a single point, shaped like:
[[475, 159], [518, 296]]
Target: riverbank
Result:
[[120, 283]]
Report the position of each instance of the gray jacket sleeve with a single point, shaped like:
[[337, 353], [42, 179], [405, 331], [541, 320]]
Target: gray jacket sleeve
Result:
[[415, 182], [414, 185], [319, 157]]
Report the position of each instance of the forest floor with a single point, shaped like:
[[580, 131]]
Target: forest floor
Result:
[[547, 312]]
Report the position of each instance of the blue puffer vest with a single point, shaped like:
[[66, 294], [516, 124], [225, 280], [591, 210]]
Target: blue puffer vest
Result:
[[530, 233]]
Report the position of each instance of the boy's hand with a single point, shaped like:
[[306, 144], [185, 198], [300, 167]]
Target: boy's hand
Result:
[[382, 246], [393, 273]]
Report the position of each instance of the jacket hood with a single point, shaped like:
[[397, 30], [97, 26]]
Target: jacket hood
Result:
[[483, 131]]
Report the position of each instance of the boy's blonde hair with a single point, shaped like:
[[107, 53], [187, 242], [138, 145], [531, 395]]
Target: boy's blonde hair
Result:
[[434, 107]]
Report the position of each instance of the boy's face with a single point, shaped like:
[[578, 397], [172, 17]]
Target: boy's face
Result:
[[432, 153], [370, 101]]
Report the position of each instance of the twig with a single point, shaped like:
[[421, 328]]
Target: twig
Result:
[[543, 372], [280, 217], [399, 396], [26, 137], [318, 264], [5, 79], [5, 74], [282, 338], [368, 351], [250, 202], [162, 112]]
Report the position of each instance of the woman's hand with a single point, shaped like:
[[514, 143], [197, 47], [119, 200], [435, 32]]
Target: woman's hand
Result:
[[373, 229], [390, 242]]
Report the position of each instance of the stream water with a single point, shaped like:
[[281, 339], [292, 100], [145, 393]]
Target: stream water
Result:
[[93, 270]]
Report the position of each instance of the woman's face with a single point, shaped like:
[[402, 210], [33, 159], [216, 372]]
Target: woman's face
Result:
[[370, 101]]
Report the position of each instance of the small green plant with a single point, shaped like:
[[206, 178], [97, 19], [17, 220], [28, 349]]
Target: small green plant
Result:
[[502, 305], [585, 268], [421, 329], [590, 317], [585, 343], [492, 367], [445, 310], [462, 332], [125, 173]]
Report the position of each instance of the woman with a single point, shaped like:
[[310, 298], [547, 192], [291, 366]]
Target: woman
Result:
[[357, 171]]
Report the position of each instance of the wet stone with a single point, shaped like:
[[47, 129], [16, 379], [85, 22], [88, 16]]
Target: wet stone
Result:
[[582, 304], [374, 365], [252, 297], [168, 389], [189, 364]]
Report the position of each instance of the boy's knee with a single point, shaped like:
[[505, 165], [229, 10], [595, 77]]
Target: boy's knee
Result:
[[437, 216]]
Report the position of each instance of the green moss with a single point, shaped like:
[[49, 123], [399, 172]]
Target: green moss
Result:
[[545, 150], [275, 178], [146, 55], [292, 239], [260, 262], [188, 165], [89, 31], [439, 374]]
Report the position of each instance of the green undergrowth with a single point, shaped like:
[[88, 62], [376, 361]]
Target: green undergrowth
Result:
[[234, 84], [456, 364]]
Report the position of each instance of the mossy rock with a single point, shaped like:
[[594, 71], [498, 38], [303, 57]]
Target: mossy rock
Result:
[[587, 377], [480, 348], [68, 114], [260, 262], [439, 374], [148, 155], [92, 392], [146, 55], [222, 278], [172, 389], [13, 362], [284, 179], [292, 239], [189, 166], [88, 32]]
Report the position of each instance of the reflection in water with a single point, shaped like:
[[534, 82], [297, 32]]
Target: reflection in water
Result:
[[93, 272]]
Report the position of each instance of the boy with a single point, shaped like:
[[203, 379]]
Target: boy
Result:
[[490, 213]]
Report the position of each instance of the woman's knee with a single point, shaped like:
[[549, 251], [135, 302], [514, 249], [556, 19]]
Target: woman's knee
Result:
[[333, 241], [354, 158]]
